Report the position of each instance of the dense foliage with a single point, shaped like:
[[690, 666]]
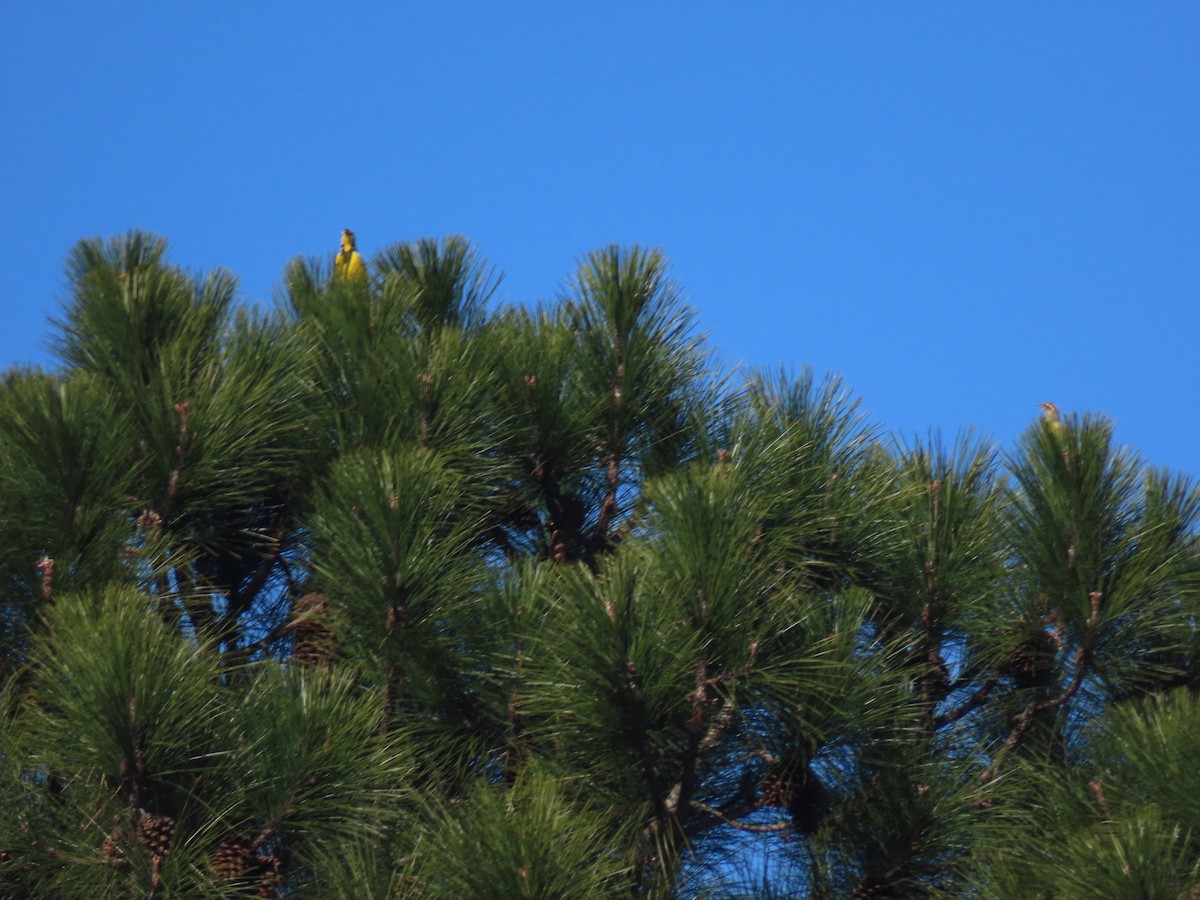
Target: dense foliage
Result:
[[393, 592]]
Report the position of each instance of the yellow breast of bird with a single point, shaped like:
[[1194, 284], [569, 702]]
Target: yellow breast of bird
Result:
[[349, 263]]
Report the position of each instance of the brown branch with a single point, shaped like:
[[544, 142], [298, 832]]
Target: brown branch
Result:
[[720, 724], [680, 796], [173, 481], [426, 409], [45, 566], [133, 766], [781, 825], [973, 702], [240, 598], [611, 462], [608, 506], [1101, 801], [106, 862], [1023, 721]]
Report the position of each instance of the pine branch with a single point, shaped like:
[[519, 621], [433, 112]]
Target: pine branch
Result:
[[976, 700], [1024, 720], [242, 597], [725, 819]]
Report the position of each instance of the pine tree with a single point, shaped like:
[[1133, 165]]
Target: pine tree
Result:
[[390, 591]]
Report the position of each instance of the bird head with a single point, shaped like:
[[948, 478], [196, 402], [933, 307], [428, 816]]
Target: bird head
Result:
[[1050, 411], [347, 240]]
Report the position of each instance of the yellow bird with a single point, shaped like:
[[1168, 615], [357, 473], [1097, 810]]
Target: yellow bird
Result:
[[1050, 417], [349, 264]]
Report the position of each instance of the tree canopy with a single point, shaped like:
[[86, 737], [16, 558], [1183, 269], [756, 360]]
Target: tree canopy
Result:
[[389, 590]]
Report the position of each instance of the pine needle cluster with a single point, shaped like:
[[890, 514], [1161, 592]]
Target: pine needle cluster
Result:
[[394, 591]]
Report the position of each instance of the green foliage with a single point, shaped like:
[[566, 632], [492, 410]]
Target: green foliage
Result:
[[1121, 825], [65, 477], [127, 306], [450, 284], [118, 690], [123, 719], [396, 592], [309, 756], [539, 837]]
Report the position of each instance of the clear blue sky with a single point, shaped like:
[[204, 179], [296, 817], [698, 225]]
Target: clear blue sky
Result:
[[964, 208]]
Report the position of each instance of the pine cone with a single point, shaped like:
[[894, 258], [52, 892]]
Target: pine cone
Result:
[[237, 860], [1031, 659], [110, 848], [314, 641], [784, 783], [234, 858], [155, 832], [772, 791], [272, 878], [314, 646], [791, 785]]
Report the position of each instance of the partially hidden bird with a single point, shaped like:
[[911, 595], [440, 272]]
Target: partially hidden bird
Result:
[[1051, 418], [349, 264]]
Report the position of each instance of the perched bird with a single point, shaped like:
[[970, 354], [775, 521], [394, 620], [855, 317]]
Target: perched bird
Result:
[[349, 264], [1050, 417]]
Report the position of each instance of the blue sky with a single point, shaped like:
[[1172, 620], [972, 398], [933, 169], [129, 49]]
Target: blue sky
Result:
[[965, 209]]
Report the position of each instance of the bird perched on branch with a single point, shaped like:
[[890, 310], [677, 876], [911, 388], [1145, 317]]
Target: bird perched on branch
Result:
[[349, 264], [1050, 417], [1051, 420]]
